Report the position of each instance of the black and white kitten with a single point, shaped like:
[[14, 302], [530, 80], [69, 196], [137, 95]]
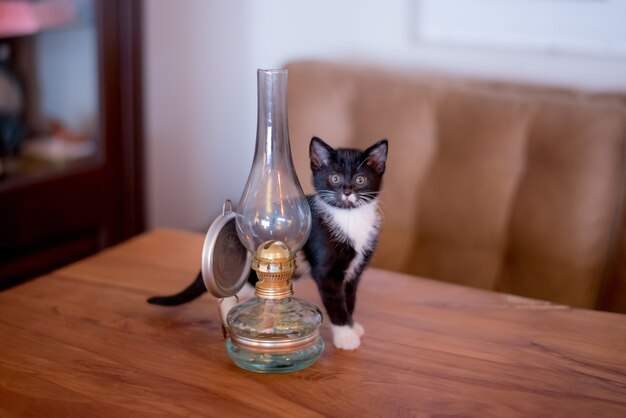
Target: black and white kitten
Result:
[[344, 232]]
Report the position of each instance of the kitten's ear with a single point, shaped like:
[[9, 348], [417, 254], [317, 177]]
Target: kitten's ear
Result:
[[377, 156], [319, 152]]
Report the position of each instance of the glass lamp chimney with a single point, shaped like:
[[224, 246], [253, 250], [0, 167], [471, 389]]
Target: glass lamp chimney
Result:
[[273, 206]]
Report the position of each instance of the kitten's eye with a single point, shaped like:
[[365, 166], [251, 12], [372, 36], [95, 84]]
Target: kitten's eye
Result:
[[334, 179], [359, 180]]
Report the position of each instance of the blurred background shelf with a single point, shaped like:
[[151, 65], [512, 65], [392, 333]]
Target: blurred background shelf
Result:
[[71, 135]]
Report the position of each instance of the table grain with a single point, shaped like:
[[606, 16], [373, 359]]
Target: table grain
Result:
[[82, 341]]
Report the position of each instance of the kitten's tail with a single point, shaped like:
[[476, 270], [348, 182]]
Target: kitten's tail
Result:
[[194, 290]]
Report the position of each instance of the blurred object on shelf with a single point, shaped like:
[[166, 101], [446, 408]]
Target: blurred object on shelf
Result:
[[11, 97], [11, 105], [61, 145], [22, 17]]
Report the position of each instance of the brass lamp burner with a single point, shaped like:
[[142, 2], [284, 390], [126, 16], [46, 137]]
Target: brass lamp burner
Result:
[[274, 266]]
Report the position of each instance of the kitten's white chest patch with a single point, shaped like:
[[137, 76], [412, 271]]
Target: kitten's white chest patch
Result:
[[357, 226]]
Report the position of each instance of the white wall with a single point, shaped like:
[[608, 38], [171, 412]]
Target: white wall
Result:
[[201, 61], [196, 131]]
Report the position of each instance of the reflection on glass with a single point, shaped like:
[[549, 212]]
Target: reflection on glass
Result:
[[48, 87]]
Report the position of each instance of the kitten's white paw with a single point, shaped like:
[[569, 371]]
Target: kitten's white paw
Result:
[[246, 292], [226, 305], [345, 337], [358, 328]]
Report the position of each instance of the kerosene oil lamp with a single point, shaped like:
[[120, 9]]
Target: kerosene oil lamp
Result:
[[274, 332]]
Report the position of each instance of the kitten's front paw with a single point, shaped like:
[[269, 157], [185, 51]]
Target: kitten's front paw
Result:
[[345, 337], [358, 328], [226, 305]]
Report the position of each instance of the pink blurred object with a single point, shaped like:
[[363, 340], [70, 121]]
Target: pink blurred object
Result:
[[23, 17]]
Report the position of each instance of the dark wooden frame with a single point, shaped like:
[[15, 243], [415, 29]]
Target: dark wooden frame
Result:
[[121, 73], [48, 222]]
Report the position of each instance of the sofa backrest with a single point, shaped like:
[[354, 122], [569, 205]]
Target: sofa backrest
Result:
[[506, 187]]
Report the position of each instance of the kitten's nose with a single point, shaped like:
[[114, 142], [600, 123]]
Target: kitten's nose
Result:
[[348, 197]]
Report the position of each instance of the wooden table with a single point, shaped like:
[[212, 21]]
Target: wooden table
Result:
[[82, 341]]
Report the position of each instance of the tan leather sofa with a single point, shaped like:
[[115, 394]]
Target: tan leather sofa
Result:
[[513, 188]]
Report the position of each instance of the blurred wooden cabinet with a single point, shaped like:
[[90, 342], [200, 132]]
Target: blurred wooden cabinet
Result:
[[71, 130]]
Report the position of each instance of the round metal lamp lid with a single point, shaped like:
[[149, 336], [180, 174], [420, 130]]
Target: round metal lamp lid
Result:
[[226, 262]]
